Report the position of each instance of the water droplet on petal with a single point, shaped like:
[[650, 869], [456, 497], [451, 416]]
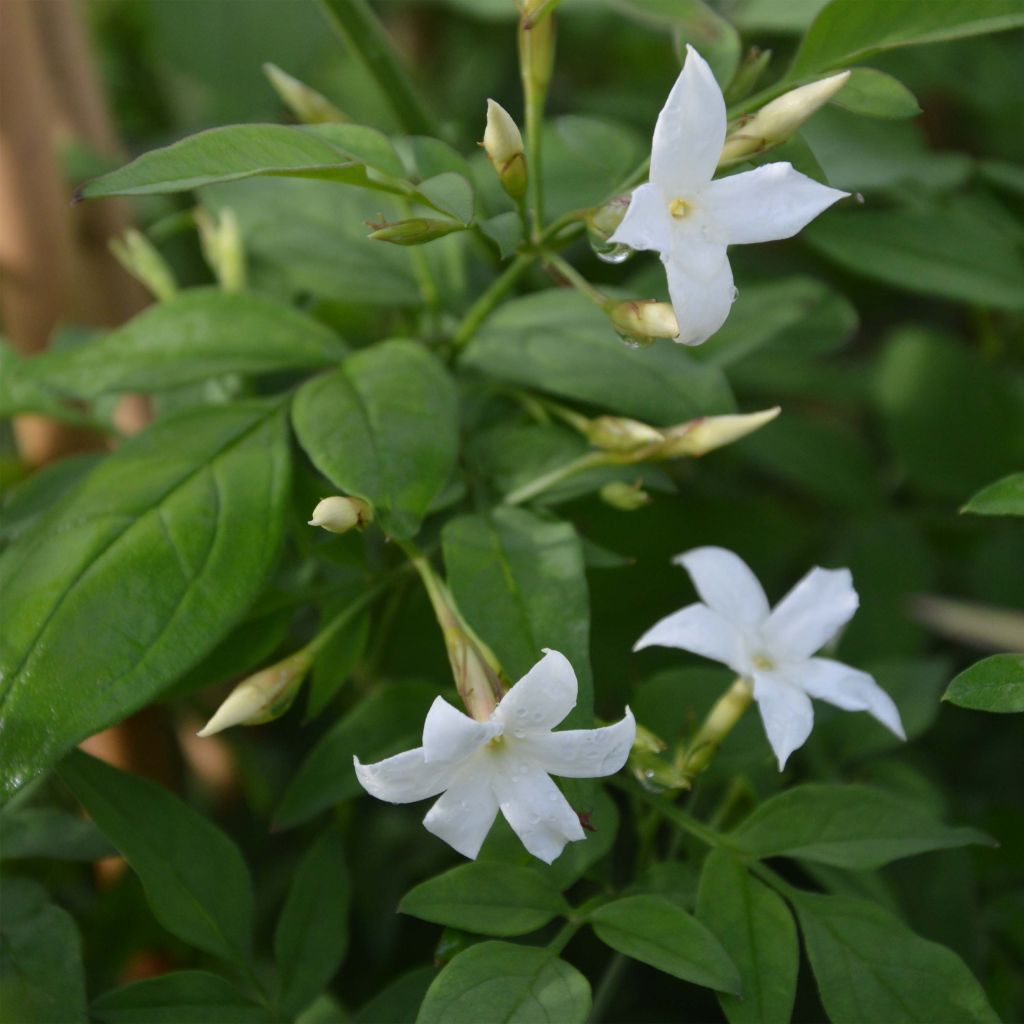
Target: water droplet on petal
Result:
[[608, 252]]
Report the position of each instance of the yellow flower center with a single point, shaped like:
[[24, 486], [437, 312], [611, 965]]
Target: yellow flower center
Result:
[[496, 741], [760, 661], [680, 208]]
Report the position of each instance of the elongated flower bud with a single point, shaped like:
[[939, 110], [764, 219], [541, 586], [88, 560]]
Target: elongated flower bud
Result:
[[503, 144], [778, 120], [308, 105], [339, 515], [137, 254], [643, 319], [621, 435], [220, 238], [697, 437], [414, 231]]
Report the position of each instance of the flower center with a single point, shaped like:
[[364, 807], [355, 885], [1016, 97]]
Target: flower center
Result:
[[496, 741], [760, 661], [680, 208]]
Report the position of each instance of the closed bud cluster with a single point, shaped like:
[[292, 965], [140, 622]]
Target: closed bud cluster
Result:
[[503, 144], [414, 231], [137, 254], [339, 515], [643, 319], [623, 496], [777, 121], [308, 105], [700, 436]]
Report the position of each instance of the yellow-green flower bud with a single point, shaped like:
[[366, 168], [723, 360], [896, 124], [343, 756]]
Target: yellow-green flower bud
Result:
[[643, 319], [699, 436], [221, 242], [623, 496], [414, 231], [603, 221], [137, 254], [339, 515], [503, 144], [777, 121], [621, 435], [308, 105]]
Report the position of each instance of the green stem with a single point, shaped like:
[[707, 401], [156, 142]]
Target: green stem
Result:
[[721, 720], [536, 56], [608, 985], [483, 306], [546, 480], [676, 815], [421, 269], [577, 280]]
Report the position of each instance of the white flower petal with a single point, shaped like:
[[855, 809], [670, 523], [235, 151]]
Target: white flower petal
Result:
[[647, 224], [701, 303], [726, 583], [404, 778], [543, 697], [786, 712], [536, 809], [768, 203], [690, 131], [701, 630], [850, 689], [581, 753], [810, 614], [449, 735], [464, 815]]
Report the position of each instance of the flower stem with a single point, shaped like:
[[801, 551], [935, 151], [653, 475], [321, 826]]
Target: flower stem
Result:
[[577, 280], [483, 306], [557, 475], [721, 719], [536, 58], [608, 985]]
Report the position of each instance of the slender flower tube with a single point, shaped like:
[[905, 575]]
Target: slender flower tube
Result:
[[504, 763], [771, 648]]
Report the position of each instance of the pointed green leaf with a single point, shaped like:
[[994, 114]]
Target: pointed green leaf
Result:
[[873, 93], [181, 997], [51, 833], [994, 684], [1003, 498], [450, 193]]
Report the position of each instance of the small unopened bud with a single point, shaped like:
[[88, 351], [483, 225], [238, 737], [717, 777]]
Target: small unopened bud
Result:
[[221, 242], [262, 697], [137, 254], [503, 144], [308, 105], [414, 231], [339, 515], [699, 436], [643, 319], [603, 221], [625, 497], [777, 121], [621, 435]]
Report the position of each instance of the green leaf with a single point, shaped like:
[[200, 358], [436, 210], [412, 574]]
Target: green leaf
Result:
[[994, 684], [1003, 498], [388, 720], [399, 1000], [953, 420], [383, 427], [872, 93], [506, 231], [312, 932], [849, 826], [50, 833], [181, 997], [559, 342], [495, 981], [228, 154], [363, 145], [196, 335], [870, 967], [656, 931], [850, 30], [757, 930], [196, 882], [450, 193], [486, 898], [519, 580], [336, 660], [147, 564], [41, 977], [945, 252]]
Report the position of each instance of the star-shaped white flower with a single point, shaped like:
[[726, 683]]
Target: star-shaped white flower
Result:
[[772, 647], [504, 764], [690, 219]]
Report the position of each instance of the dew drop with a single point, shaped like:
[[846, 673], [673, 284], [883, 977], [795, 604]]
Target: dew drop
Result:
[[608, 252]]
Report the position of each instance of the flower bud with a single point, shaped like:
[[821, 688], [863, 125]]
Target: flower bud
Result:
[[503, 144], [699, 436], [339, 515], [414, 231], [777, 121], [308, 105], [623, 496], [221, 242], [603, 221], [262, 697], [644, 319], [137, 254], [621, 435]]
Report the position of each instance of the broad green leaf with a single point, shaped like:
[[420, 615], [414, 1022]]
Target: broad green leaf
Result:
[[450, 193], [849, 826], [41, 976], [757, 930], [50, 833], [336, 660], [505, 230], [312, 932], [196, 881], [23, 504], [136, 575], [994, 684], [1003, 498], [227, 154], [788, 17], [870, 967], [363, 145], [398, 1001], [873, 93], [486, 898], [946, 252], [954, 421], [495, 981], [850, 30], [196, 335], [519, 581], [384, 427], [658, 932], [388, 720], [181, 997], [559, 342]]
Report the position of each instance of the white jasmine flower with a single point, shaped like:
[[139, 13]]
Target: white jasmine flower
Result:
[[504, 764], [690, 219], [772, 648]]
